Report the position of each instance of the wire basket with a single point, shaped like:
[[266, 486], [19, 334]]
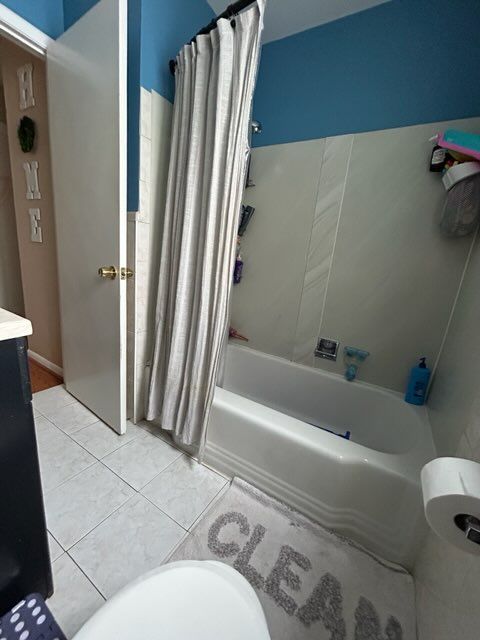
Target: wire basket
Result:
[[461, 213]]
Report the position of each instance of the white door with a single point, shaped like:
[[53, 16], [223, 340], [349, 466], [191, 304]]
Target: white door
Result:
[[87, 80]]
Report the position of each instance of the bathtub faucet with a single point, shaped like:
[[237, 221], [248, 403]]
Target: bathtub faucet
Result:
[[353, 358]]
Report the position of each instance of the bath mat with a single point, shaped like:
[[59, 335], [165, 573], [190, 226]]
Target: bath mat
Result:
[[312, 584]]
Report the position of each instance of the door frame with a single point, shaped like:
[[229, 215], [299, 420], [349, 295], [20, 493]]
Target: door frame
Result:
[[22, 32]]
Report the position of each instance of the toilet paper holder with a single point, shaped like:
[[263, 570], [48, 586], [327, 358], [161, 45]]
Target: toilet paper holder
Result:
[[451, 499], [470, 525]]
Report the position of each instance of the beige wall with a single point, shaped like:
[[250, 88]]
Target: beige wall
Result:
[[3, 113], [38, 262], [11, 295]]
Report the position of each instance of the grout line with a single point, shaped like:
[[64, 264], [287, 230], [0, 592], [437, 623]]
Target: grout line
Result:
[[61, 546], [214, 500], [137, 492], [143, 485], [210, 468], [86, 576], [189, 455], [75, 475], [99, 523], [307, 257], [332, 255], [163, 512]]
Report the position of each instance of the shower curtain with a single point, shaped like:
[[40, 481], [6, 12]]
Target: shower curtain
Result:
[[214, 79]]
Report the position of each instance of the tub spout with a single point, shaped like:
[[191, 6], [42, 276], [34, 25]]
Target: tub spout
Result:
[[351, 372], [353, 358]]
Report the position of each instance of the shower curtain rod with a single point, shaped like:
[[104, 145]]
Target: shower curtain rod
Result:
[[231, 11]]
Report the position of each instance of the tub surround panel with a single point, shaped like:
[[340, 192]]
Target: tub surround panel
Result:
[[390, 256], [266, 302], [355, 281], [331, 189], [454, 402]]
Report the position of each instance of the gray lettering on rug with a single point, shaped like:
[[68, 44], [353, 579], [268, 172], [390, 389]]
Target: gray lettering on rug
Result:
[[282, 572], [394, 629], [325, 604], [242, 562], [367, 623], [226, 549]]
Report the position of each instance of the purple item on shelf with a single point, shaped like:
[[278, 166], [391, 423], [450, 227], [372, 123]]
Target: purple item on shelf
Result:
[[30, 619], [237, 273]]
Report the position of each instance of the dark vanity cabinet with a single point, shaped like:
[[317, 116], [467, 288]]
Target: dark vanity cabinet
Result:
[[24, 556]]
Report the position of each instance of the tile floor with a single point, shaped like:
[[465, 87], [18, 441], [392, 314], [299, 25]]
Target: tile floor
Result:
[[116, 506]]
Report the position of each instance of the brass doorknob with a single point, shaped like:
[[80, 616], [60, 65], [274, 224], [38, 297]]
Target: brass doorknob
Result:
[[126, 272], [108, 272]]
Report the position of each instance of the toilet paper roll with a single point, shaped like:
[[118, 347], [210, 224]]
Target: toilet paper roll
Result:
[[451, 497]]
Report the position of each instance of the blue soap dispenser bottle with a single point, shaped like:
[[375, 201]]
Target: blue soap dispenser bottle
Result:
[[418, 383]]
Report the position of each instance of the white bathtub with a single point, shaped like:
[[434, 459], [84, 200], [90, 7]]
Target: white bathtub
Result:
[[366, 488]]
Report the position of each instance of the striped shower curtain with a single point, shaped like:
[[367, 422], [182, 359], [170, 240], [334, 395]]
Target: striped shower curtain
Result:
[[215, 79]]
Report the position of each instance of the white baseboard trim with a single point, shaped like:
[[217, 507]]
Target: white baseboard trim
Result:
[[45, 363]]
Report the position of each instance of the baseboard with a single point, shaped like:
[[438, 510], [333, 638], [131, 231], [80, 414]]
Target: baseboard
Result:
[[45, 363]]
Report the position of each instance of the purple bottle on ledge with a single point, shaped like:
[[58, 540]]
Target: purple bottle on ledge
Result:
[[237, 273]]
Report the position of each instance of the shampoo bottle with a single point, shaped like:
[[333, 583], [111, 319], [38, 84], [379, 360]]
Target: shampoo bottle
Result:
[[418, 383], [237, 274]]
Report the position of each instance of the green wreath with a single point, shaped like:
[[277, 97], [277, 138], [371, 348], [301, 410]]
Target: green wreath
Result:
[[26, 134]]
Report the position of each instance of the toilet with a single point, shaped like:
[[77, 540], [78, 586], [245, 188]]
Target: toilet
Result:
[[188, 600]]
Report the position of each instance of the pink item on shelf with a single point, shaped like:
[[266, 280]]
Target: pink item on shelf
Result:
[[466, 143]]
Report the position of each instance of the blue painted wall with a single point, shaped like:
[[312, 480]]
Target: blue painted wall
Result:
[[156, 31], [166, 26], [47, 15], [401, 63], [133, 103], [74, 9]]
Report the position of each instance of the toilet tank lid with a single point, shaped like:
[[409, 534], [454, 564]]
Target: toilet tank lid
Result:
[[204, 600]]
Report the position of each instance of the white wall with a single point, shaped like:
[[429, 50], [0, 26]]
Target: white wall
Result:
[[447, 580], [11, 295], [144, 242], [344, 243], [454, 401], [265, 304]]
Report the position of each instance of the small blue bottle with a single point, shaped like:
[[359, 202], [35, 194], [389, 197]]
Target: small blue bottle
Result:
[[418, 383]]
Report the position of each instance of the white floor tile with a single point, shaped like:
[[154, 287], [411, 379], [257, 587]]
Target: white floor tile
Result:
[[75, 599], [71, 418], [51, 399], [60, 457], [132, 541], [76, 507], [184, 490], [55, 549], [42, 425], [140, 461], [100, 440]]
